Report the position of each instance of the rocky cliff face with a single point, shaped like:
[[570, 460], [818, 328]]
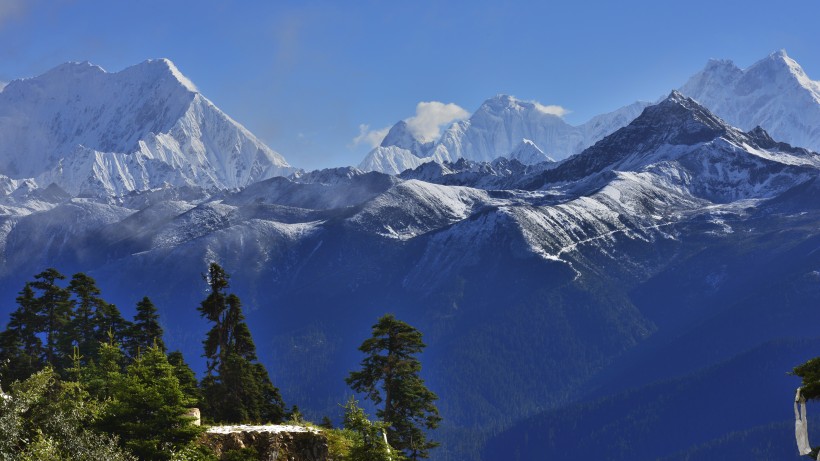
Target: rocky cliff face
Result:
[[272, 443]]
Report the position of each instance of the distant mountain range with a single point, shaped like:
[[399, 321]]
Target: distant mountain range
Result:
[[641, 299], [774, 93]]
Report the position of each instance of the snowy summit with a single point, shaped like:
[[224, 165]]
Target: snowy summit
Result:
[[101, 134]]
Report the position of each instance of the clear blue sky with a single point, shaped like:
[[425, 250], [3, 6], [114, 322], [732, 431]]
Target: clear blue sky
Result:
[[303, 76]]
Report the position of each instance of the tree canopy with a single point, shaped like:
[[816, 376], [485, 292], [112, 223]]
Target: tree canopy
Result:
[[389, 377], [237, 388]]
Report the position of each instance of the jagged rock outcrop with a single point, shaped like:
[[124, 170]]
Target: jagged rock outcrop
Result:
[[273, 443]]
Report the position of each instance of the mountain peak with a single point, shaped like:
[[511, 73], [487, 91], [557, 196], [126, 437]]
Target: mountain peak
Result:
[[683, 118], [402, 137], [781, 53], [676, 97], [398, 135], [163, 67], [528, 153], [75, 69], [670, 125], [777, 62], [103, 134], [499, 103]]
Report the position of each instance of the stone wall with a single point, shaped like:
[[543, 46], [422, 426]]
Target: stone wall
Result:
[[273, 443]]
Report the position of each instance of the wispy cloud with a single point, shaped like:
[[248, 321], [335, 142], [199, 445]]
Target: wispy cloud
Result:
[[551, 110], [11, 9], [371, 137], [426, 125]]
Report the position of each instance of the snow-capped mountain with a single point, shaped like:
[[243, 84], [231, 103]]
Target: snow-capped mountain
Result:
[[499, 125], [391, 160], [401, 137], [528, 153], [100, 134], [399, 150], [495, 130], [683, 142], [774, 93], [676, 239]]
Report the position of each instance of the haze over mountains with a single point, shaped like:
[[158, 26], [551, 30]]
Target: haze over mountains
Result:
[[667, 268]]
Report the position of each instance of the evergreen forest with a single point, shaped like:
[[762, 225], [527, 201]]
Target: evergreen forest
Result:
[[78, 381]]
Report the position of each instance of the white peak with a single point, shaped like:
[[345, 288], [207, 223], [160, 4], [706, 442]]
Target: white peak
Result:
[[724, 67], [781, 53], [101, 133], [777, 61], [399, 135], [74, 67], [774, 93], [528, 153], [502, 103], [159, 69], [499, 103], [185, 81]]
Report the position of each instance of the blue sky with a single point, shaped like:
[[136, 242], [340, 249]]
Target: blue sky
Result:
[[307, 77]]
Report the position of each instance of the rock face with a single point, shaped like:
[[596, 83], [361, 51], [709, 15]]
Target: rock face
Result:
[[196, 415], [273, 443]]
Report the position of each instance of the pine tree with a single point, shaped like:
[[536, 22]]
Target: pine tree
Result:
[[93, 319], [185, 375], [21, 350], [53, 315], [146, 330], [390, 377], [236, 387], [147, 407], [369, 443], [213, 309]]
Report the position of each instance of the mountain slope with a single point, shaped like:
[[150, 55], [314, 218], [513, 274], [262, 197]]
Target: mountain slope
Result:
[[683, 142], [100, 134]]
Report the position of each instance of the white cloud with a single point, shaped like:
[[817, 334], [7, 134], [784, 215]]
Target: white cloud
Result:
[[371, 137], [3, 85], [426, 125], [551, 110], [431, 117]]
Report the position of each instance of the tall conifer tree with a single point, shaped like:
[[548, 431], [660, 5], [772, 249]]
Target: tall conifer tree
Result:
[[390, 379], [93, 320], [236, 388], [21, 350], [53, 314], [146, 330]]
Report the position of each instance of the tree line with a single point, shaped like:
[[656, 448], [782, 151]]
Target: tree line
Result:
[[85, 383]]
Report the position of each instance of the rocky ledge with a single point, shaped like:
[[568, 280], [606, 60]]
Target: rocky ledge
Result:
[[273, 443]]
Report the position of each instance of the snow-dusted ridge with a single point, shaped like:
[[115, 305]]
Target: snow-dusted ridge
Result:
[[106, 134]]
